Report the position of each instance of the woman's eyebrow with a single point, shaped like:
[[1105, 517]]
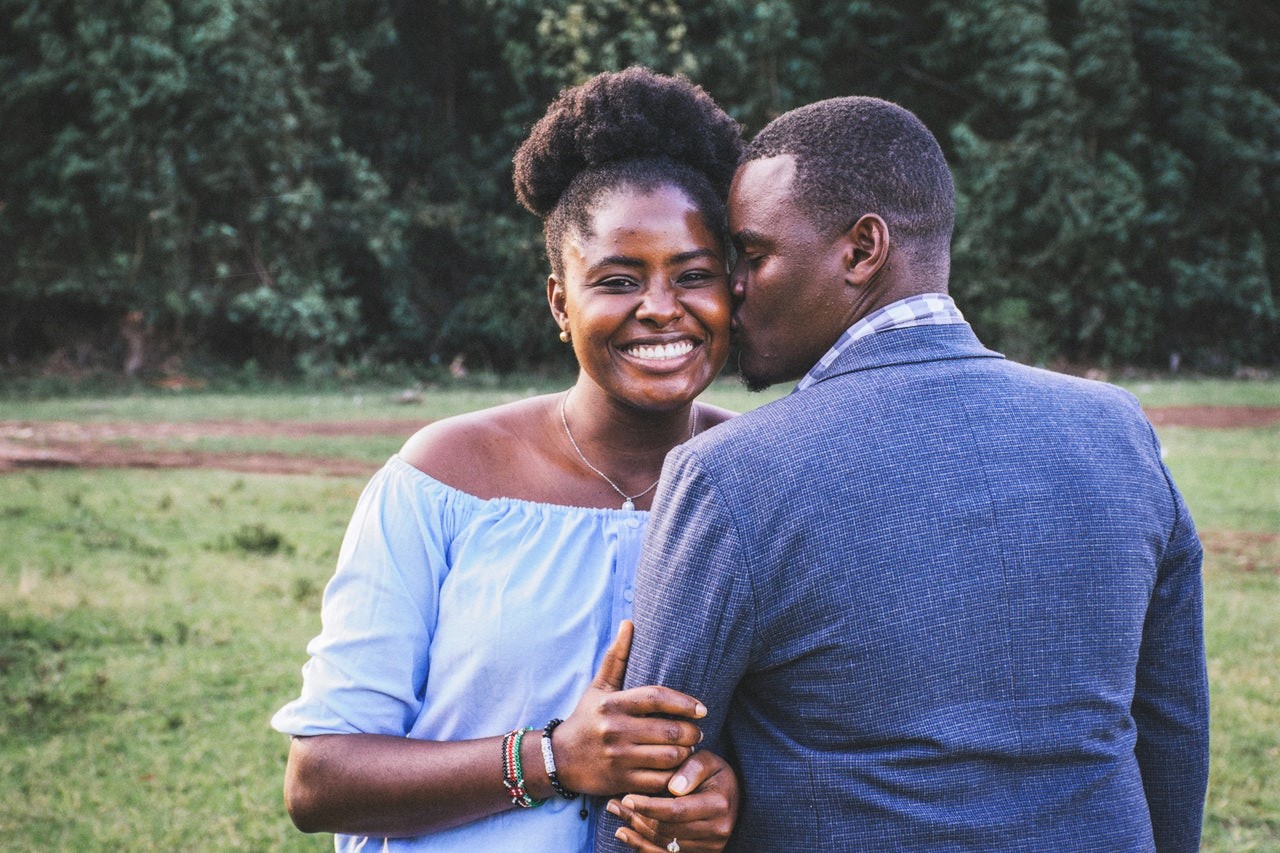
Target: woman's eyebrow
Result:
[[635, 263], [616, 261], [692, 255]]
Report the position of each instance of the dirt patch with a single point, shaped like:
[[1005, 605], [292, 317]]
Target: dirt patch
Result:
[[1244, 551], [1216, 417], [28, 445], [17, 458], [46, 432]]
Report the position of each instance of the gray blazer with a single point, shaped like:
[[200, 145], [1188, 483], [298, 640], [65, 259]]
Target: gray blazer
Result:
[[937, 601]]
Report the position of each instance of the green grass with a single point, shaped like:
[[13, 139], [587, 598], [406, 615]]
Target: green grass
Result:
[[278, 405], [151, 621], [438, 401], [1242, 620], [1204, 392], [286, 404], [1230, 477], [373, 449]]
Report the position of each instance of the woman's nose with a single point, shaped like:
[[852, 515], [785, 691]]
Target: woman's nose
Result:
[[660, 303]]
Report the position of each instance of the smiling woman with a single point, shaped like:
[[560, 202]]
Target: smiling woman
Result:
[[643, 297], [490, 562]]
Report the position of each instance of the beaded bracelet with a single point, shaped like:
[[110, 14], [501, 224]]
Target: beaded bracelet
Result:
[[549, 761], [513, 773]]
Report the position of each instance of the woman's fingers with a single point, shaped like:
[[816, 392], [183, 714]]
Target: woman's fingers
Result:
[[641, 843], [622, 740], [697, 815], [651, 782], [702, 814], [628, 727], [613, 669], [700, 821], [659, 841], [654, 699], [639, 700]]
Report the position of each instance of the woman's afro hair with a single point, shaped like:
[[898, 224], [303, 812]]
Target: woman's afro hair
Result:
[[631, 115]]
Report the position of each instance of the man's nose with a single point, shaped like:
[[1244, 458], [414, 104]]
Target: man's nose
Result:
[[738, 278]]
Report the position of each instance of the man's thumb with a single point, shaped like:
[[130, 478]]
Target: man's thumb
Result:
[[613, 669]]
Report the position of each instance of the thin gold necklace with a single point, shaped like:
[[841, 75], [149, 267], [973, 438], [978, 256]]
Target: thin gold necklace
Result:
[[628, 501]]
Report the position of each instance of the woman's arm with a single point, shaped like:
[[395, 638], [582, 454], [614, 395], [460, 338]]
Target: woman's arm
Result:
[[361, 784]]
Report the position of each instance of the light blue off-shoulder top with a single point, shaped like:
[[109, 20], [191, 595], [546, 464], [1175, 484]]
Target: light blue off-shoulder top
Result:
[[454, 617]]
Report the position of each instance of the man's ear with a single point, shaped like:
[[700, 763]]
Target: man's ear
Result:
[[866, 250], [556, 298]]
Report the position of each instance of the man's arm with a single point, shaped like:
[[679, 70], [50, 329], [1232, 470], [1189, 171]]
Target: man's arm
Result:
[[1171, 699], [694, 613]]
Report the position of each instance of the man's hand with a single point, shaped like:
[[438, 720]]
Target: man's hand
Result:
[[700, 817]]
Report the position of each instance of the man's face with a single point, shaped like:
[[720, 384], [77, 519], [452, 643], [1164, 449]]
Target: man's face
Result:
[[788, 280]]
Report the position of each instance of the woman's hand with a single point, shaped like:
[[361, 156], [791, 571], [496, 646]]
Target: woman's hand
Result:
[[700, 818], [612, 742]]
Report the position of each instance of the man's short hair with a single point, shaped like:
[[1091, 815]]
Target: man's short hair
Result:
[[860, 155]]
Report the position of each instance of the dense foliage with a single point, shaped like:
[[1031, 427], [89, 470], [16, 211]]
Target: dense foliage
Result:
[[289, 183]]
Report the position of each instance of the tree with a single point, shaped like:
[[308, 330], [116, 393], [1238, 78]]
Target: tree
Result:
[[307, 182], [177, 159]]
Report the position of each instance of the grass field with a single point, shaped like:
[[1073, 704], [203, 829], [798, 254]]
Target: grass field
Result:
[[151, 621]]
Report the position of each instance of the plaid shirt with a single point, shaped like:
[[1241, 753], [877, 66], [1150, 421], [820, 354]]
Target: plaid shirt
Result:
[[928, 309]]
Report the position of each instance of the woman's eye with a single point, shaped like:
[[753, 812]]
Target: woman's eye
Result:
[[617, 283], [698, 278]]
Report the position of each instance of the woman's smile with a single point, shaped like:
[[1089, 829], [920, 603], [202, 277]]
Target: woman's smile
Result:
[[660, 352]]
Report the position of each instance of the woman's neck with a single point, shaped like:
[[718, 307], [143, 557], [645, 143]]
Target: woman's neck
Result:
[[623, 446]]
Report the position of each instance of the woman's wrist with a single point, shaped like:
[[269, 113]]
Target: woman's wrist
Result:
[[549, 760], [513, 763], [536, 780]]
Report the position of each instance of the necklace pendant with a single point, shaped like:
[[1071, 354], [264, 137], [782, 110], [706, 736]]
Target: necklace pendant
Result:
[[628, 504]]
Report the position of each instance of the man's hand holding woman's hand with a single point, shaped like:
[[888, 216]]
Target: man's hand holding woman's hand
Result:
[[613, 742], [701, 815]]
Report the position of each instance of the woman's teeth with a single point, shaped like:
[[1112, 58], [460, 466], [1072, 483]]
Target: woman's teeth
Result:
[[660, 352]]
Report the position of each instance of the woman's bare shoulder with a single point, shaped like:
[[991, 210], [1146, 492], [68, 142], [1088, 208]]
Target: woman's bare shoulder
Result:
[[478, 452], [710, 416]]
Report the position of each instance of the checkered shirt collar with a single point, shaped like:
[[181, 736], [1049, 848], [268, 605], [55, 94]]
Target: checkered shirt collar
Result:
[[928, 309]]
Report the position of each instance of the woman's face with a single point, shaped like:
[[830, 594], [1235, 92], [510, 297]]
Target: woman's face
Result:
[[645, 297]]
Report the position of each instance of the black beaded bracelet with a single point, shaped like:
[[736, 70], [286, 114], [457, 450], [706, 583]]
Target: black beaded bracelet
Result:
[[549, 760]]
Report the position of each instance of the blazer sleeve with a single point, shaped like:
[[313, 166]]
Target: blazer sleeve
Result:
[[1171, 698], [694, 613]]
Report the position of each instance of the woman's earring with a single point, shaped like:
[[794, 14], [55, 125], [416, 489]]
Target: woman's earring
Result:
[[564, 336]]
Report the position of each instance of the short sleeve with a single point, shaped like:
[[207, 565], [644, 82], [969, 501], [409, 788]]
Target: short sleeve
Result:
[[368, 667]]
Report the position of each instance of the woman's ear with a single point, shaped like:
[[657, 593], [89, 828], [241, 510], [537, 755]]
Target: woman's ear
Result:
[[866, 249], [556, 299]]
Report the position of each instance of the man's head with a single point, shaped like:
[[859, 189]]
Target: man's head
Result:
[[837, 208]]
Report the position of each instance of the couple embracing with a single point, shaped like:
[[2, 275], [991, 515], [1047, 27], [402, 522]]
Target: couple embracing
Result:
[[929, 600]]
